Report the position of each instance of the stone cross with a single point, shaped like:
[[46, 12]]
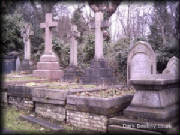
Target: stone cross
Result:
[[26, 33], [48, 32], [100, 8], [73, 46], [98, 36]]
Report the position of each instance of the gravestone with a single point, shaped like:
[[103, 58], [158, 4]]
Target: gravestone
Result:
[[172, 66], [141, 60], [48, 67], [26, 33], [18, 64], [99, 71], [8, 63], [72, 72]]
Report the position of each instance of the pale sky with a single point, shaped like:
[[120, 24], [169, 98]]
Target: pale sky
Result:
[[116, 26]]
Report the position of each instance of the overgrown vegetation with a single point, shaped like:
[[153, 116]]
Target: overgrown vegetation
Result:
[[108, 93]]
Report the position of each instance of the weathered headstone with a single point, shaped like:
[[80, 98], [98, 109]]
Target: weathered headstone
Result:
[[141, 60], [172, 66], [48, 67], [99, 72], [17, 64], [26, 33], [8, 63], [72, 72]]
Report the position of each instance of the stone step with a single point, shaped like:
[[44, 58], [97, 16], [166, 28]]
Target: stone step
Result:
[[142, 124], [115, 129], [42, 122]]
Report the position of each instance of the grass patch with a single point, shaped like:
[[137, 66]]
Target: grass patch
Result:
[[12, 122]]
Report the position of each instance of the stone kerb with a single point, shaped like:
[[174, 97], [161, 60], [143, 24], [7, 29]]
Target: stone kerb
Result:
[[20, 96], [101, 106], [51, 103], [141, 60]]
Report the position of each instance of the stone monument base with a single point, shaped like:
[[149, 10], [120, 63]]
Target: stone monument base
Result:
[[26, 66], [141, 126], [98, 73], [48, 67], [72, 74], [154, 107]]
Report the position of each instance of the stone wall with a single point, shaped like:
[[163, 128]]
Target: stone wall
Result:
[[87, 120], [21, 102], [53, 111]]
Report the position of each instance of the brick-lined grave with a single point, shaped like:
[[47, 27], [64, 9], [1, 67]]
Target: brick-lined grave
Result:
[[17, 92], [68, 102], [92, 109]]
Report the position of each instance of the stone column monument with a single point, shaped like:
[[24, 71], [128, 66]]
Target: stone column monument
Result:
[[73, 47], [99, 72], [72, 72], [48, 67], [26, 33]]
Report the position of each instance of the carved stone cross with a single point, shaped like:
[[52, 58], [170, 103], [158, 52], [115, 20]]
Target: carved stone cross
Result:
[[48, 32], [73, 47], [26, 33], [100, 8]]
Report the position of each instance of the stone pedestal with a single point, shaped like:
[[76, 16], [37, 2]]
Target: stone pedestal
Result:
[[48, 67], [154, 106], [26, 66], [72, 73], [98, 73]]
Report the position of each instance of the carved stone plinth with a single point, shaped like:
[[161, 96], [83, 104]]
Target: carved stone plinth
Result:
[[98, 73], [72, 74], [154, 107], [26, 66], [48, 67]]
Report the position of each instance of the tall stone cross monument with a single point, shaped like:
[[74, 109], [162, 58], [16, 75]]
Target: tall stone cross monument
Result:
[[48, 67], [72, 72], [73, 47], [99, 72], [26, 33], [48, 25]]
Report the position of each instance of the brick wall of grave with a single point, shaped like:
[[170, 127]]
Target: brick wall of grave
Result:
[[3, 96], [87, 120], [53, 111], [21, 102]]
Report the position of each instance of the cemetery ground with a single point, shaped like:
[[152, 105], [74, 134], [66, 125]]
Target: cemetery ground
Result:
[[20, 84], [12, 123]]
